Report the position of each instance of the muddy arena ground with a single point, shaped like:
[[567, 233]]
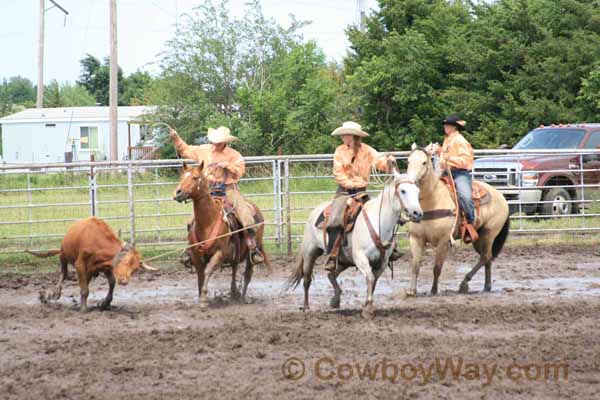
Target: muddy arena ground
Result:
[[534, 336]]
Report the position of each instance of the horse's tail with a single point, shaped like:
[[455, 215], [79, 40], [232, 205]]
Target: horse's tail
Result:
[[297, 275], [44, 254], [501, 238]]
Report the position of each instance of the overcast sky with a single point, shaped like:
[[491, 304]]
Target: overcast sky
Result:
[[143, 28]]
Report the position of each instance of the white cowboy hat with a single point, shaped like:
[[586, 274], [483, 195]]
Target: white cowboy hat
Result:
[[350, 128], [220, 135]]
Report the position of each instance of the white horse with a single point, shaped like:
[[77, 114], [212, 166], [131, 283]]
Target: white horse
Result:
[[399, 194]]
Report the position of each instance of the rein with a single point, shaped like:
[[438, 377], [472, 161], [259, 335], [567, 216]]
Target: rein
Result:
[[204, 241], [376, 236]]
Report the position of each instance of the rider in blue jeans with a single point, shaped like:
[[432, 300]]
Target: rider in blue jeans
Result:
[[456, 154]]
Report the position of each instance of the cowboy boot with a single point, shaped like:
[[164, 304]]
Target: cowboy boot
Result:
[[255, 256], [333, 246]]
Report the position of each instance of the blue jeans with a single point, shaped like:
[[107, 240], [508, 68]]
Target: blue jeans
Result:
[[462, 181]]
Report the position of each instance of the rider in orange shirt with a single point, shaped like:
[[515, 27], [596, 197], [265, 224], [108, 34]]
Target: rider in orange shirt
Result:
[[223, 167], [352, 164], [456, 154]]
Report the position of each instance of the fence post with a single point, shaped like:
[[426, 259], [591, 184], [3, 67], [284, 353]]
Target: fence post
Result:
[[131, 203], [288, 208], [157, 195], [92, 183], [29, 201], [276, 202], [582, 183]]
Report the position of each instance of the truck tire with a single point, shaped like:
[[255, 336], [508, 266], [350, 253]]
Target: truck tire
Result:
[[559, 199]]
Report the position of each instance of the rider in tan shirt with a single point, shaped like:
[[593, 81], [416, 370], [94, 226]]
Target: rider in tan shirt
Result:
[[352, 165], [456, 155], [223, 167]]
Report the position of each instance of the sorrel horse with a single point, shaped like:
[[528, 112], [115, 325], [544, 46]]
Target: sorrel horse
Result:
[[211, 231]]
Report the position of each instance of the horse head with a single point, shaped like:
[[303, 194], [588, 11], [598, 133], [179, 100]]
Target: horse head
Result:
[[192, 183], [406, 194], [419, 164]]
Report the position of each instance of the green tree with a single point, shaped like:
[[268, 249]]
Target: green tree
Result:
[[274, 90], [135, 87], [16, 92], [505, 66], [67, 95], [95, 78]]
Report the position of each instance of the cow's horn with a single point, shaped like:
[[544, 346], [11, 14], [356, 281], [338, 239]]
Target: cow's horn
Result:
[[147, 267]]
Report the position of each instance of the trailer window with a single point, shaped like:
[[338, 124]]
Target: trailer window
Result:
[[88, 137]]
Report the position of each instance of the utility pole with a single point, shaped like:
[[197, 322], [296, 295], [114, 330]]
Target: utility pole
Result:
[[113, 86], [40, 84], [361, 14]]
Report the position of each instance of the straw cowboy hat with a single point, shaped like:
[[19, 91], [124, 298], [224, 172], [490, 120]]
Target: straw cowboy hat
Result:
[[455, 121], [220, 135], [350, 128]]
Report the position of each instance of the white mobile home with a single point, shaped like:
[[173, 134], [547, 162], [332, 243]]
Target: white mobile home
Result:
[[49, 135]]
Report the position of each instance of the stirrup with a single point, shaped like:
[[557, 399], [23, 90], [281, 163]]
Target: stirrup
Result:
[[396, 255], [256, 257], [470, 234], [330, 263]]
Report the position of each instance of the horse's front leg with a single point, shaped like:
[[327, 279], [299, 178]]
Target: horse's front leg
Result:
[[235, 293], [416, 248], [441, 252], [362, 262], [247, 278], [215, 261]]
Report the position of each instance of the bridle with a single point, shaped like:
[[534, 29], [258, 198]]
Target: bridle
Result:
[[426, 171], [397, 195], [200, 194]]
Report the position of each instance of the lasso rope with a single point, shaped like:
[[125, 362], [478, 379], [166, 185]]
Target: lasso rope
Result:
[[458, 210], [204, 241], [169, 127]]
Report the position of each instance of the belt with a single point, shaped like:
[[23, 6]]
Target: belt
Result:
[[460, 170], [223, 186], [219, 189], [351, 191]]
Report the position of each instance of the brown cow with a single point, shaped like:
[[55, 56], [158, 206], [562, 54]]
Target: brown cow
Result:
[[93, 248]]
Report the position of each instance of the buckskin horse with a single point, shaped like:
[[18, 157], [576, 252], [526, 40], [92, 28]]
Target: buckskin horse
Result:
[[211, 227], [439, 219], [368, 244]]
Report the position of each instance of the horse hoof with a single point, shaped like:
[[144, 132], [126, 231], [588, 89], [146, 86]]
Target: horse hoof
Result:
[[464, 288], [368, 313], [406, 293], [487, 288], [434, 291], [203, 306], [334, 303], [104, 307]]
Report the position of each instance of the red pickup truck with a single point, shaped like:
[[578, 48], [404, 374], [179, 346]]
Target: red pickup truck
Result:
[[546, 184]]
